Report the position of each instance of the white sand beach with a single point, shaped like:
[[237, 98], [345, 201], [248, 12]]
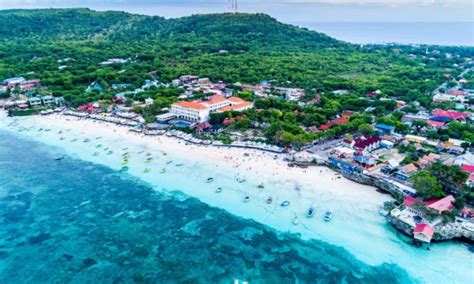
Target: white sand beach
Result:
[[169, 164]]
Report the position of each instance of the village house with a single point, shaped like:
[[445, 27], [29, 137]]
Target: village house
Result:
[[406, 172], [365, 143], [47, 100], [32, 102], [423, 233]]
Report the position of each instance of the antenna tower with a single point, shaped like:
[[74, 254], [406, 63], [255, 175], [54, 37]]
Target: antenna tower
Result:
[[233, 6]]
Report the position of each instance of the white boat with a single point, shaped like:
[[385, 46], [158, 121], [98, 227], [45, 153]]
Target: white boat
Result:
[[328, 216], [285, 203], [295, 221], [246, 198], [269, 200], [219, 190], [310, 212]]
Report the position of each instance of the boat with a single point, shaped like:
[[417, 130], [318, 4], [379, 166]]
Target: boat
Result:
[[163, 171], [295, 221], [269, 200], [246, 198], [285, 203], [310, 212], [328, 216], [210, 179], [147, 170], [241, 179], [87, 140], [219, 190], [169, 162], [179, 165], [59, 158], [96, 154], [110, 152], [261, 186], [124, 169]]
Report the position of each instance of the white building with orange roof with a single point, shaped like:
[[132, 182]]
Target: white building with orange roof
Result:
[[198, 111], [190, 111]]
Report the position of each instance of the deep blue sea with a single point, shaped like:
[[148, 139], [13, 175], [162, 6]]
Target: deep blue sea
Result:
[[74, 221], [457, 33]]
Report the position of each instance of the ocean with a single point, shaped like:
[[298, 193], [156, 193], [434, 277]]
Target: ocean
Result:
[[448, 34], [75, 221], [81, 219]]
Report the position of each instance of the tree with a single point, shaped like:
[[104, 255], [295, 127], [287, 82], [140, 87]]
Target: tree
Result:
[[427, 185], [366, 129]]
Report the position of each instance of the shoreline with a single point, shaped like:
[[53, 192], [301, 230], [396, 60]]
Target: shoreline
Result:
[[365, 233]]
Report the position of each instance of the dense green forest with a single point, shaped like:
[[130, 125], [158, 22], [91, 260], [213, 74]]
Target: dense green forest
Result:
[[34, 44]]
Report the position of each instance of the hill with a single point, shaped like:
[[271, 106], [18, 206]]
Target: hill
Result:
[[229, 31]]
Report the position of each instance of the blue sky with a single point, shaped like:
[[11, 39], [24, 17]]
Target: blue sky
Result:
[[291, 11]]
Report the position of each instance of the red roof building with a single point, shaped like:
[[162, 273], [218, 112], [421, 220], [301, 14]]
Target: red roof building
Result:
[[467, 168], [435, 124], [423, 232], [441, 205], [451, 114]]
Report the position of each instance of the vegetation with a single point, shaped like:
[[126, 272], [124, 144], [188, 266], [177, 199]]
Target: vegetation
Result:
[[64, 48]]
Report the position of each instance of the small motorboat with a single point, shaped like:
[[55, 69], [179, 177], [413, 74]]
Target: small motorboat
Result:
[[328, 216], [179, 165], [124, 169], [210, 179], [58, 158], [246, 198], [285, 203], [261, 186], [169, 162], [147, 170], [219, 190], [163, 171], [87, 140], [295, 221], [241, 179], [269, 200], [99, 146], [310, 212], [110, 152]]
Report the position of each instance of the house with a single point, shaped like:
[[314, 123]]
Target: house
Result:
[[366, 161], [384, 128], [365, 143], [13, 81], [455, 115], [34, 101], [329, 124], [415, 139], [436, 124], [148, 101], [47, 100], [441, 205], [467, 168], [406, 172], [423, 233]]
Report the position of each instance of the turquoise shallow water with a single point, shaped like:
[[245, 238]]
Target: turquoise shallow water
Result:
[[74, 221]]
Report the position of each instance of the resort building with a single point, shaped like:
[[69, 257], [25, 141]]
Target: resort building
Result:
[[199, 110], [190, 111]]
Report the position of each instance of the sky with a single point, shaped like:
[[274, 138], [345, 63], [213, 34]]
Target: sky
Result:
[[290, 11]]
